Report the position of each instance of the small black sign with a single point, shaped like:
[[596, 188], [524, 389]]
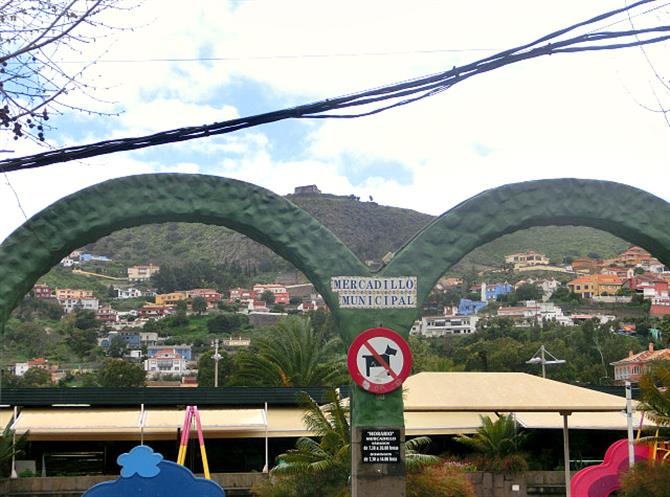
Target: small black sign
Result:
[[380, 446]]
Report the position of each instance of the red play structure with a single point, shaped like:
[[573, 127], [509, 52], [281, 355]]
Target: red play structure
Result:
[[603, 479]]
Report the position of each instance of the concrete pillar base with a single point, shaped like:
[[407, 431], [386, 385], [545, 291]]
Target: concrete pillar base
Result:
[[385, 479]]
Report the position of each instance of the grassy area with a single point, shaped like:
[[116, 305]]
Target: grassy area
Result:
[[556, 242], [60, 277]]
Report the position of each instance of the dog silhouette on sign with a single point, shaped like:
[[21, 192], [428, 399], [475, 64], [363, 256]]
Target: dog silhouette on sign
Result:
[[371, 361]]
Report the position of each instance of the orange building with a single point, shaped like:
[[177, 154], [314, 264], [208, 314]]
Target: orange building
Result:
[[73, 293], [170, 298], [595, 285], [633, 256], [142, 272], [586, 265]]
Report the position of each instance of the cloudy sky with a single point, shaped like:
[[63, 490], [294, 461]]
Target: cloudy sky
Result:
[[569, 115]]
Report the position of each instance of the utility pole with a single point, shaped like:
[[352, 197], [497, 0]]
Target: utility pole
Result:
[[540, 358], [216, 357]]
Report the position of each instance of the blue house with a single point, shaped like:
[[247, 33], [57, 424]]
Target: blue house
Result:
[[131, 338], [495, 290], [467, 307], [85, 257]]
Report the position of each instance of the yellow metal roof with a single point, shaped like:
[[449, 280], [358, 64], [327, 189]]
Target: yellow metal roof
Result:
[[580, 420], [287, 422], [77, 423], [443, 423], [211, 419], [5, 417], [508, 392], [124, 424], [435, 403]]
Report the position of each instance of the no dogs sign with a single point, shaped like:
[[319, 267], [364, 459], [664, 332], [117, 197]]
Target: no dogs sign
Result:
[[379, 360]]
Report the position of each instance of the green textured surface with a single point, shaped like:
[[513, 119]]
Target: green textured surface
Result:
[[94, 212], [629, 213], [86, 216]]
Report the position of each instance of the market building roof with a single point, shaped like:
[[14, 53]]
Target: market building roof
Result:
[[507, 392]]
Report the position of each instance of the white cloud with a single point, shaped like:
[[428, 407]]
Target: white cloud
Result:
[[38, 188], [574, 115]]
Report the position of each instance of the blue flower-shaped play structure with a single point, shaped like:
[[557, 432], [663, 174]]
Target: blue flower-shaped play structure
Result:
[[145, 473]]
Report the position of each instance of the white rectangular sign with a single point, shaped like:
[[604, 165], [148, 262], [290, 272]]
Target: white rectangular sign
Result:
[[362, 292]]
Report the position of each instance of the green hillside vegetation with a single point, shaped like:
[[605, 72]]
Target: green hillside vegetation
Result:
[[369, 229], [60, 277], [500, 346], [556, 242]]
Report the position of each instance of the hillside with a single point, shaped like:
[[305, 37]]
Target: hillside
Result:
[[556, 242], [369, 229]]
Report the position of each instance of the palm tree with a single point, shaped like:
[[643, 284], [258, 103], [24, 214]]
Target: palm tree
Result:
[[291, 354], [9, 448], [416, 458], [655, 388], [330, 457], [648, 478], [498, 443]]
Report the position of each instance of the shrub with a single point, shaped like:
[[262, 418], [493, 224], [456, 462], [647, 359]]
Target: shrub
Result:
[[300, 485], [511, 463], [646, 480], [439, 481]]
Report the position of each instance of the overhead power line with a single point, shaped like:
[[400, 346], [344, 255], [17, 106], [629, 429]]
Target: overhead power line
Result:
[[315, 55], [375, 100]]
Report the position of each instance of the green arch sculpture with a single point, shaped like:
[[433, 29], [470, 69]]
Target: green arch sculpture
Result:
[[94, 212], [86, 216], [629, 213]]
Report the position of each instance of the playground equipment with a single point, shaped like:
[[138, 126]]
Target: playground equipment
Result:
[[192, 414], [145, 473], [603, 479]]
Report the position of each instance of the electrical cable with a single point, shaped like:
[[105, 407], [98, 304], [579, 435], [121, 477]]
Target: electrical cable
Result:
[[396, 95]]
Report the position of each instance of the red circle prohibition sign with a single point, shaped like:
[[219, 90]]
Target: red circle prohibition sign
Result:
[[379, 360]]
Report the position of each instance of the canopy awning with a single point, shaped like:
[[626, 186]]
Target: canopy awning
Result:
[[506, 392], [77, 423], [443, 423], [580, 420], [125, 424], [5, 417], [287, 422], [212, 420]]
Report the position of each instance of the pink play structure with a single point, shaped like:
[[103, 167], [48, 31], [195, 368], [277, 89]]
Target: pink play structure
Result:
[[603, 479]]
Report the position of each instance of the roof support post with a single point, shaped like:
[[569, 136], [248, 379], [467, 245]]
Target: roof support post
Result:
[[266, 468], [629, 420], [566, 452]]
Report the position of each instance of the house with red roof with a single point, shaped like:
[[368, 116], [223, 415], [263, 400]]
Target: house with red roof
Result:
[[635, 365], [42, 291], [649, 286], [211, 296], [660, 306], [153, 311], [633, 256], [166, 361]]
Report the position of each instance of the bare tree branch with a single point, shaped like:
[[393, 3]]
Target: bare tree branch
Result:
[[33, 33]]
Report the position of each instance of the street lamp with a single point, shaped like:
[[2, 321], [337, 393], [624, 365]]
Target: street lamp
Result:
[[216, 357], [540, 358]]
